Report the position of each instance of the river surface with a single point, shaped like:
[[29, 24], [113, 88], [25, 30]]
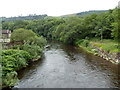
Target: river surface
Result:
[[65, 66]]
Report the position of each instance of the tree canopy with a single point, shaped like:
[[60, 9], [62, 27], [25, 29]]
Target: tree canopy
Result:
[[70, 29]]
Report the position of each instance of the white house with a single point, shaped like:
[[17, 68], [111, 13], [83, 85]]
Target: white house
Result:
[[5, 35]]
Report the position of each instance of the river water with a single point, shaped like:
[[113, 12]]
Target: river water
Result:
[[65, 66]]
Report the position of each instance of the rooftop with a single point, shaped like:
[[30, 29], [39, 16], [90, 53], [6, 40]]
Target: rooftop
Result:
[[6, 31]]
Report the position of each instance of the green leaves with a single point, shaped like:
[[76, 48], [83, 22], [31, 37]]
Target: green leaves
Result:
[[32, 43], [116, 24], [13, 60], [33, 50], [23, 35], [10, 79]]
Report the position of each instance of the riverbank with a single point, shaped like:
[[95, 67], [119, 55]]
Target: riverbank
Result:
[[12, 62], [107, 49], [68, 66], [19, 53]]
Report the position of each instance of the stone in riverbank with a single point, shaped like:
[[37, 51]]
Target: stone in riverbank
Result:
[[112, 57]]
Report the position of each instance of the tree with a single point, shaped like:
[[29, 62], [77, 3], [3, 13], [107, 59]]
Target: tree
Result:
[[23, 35], [116, 24]]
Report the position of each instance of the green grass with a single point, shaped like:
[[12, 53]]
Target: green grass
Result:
[[107, 45], [86, 46]]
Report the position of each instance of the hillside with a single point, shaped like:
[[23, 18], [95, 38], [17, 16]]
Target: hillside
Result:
[[35, 17], [91, 12], [85, 13], [30, 17]]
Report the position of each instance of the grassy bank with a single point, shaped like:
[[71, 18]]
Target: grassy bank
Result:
[[107, 45], [108, 49]]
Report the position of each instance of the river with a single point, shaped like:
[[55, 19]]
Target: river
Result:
[[66, 66]]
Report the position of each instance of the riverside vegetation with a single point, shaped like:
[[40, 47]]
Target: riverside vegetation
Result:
[[99, 30], [20, 55]]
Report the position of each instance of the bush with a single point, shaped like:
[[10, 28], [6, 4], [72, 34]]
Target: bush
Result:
[[83, 42], [79, 42], [34, 50], [17, 58], [13, 60], [86, 43], [40, 41], [10, 79], [32, 43]]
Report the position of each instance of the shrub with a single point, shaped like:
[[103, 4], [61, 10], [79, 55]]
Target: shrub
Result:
[[32, 43], [10, 79], [86, 43], [40, 41], [34, 50], [13, 60], [83, 42], [79, 42]]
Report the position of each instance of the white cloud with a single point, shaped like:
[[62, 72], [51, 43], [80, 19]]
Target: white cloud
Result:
[[52, 7]]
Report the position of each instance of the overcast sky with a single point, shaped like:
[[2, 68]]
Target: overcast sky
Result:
[[10, 8]]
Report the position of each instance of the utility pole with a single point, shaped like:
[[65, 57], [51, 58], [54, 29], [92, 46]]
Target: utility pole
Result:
[[101, 34]]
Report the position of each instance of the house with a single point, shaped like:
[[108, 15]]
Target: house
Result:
[[5, 35]]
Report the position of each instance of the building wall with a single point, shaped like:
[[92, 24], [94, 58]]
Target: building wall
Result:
[[4, 40], [6, 36]]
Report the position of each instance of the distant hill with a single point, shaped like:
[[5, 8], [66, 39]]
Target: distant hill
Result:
[[85, 13], [35, 17], [91, 12], [30, 17]]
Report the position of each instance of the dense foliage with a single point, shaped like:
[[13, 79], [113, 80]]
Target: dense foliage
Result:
[[22, 35], [30, 17], [13, 60], [91, 12], [30, 48], [72, 28], [30, 42]]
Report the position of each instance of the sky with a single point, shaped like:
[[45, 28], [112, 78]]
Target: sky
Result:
[[13, 8]]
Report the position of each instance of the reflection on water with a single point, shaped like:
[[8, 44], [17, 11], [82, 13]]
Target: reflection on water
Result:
[[65, 66]]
